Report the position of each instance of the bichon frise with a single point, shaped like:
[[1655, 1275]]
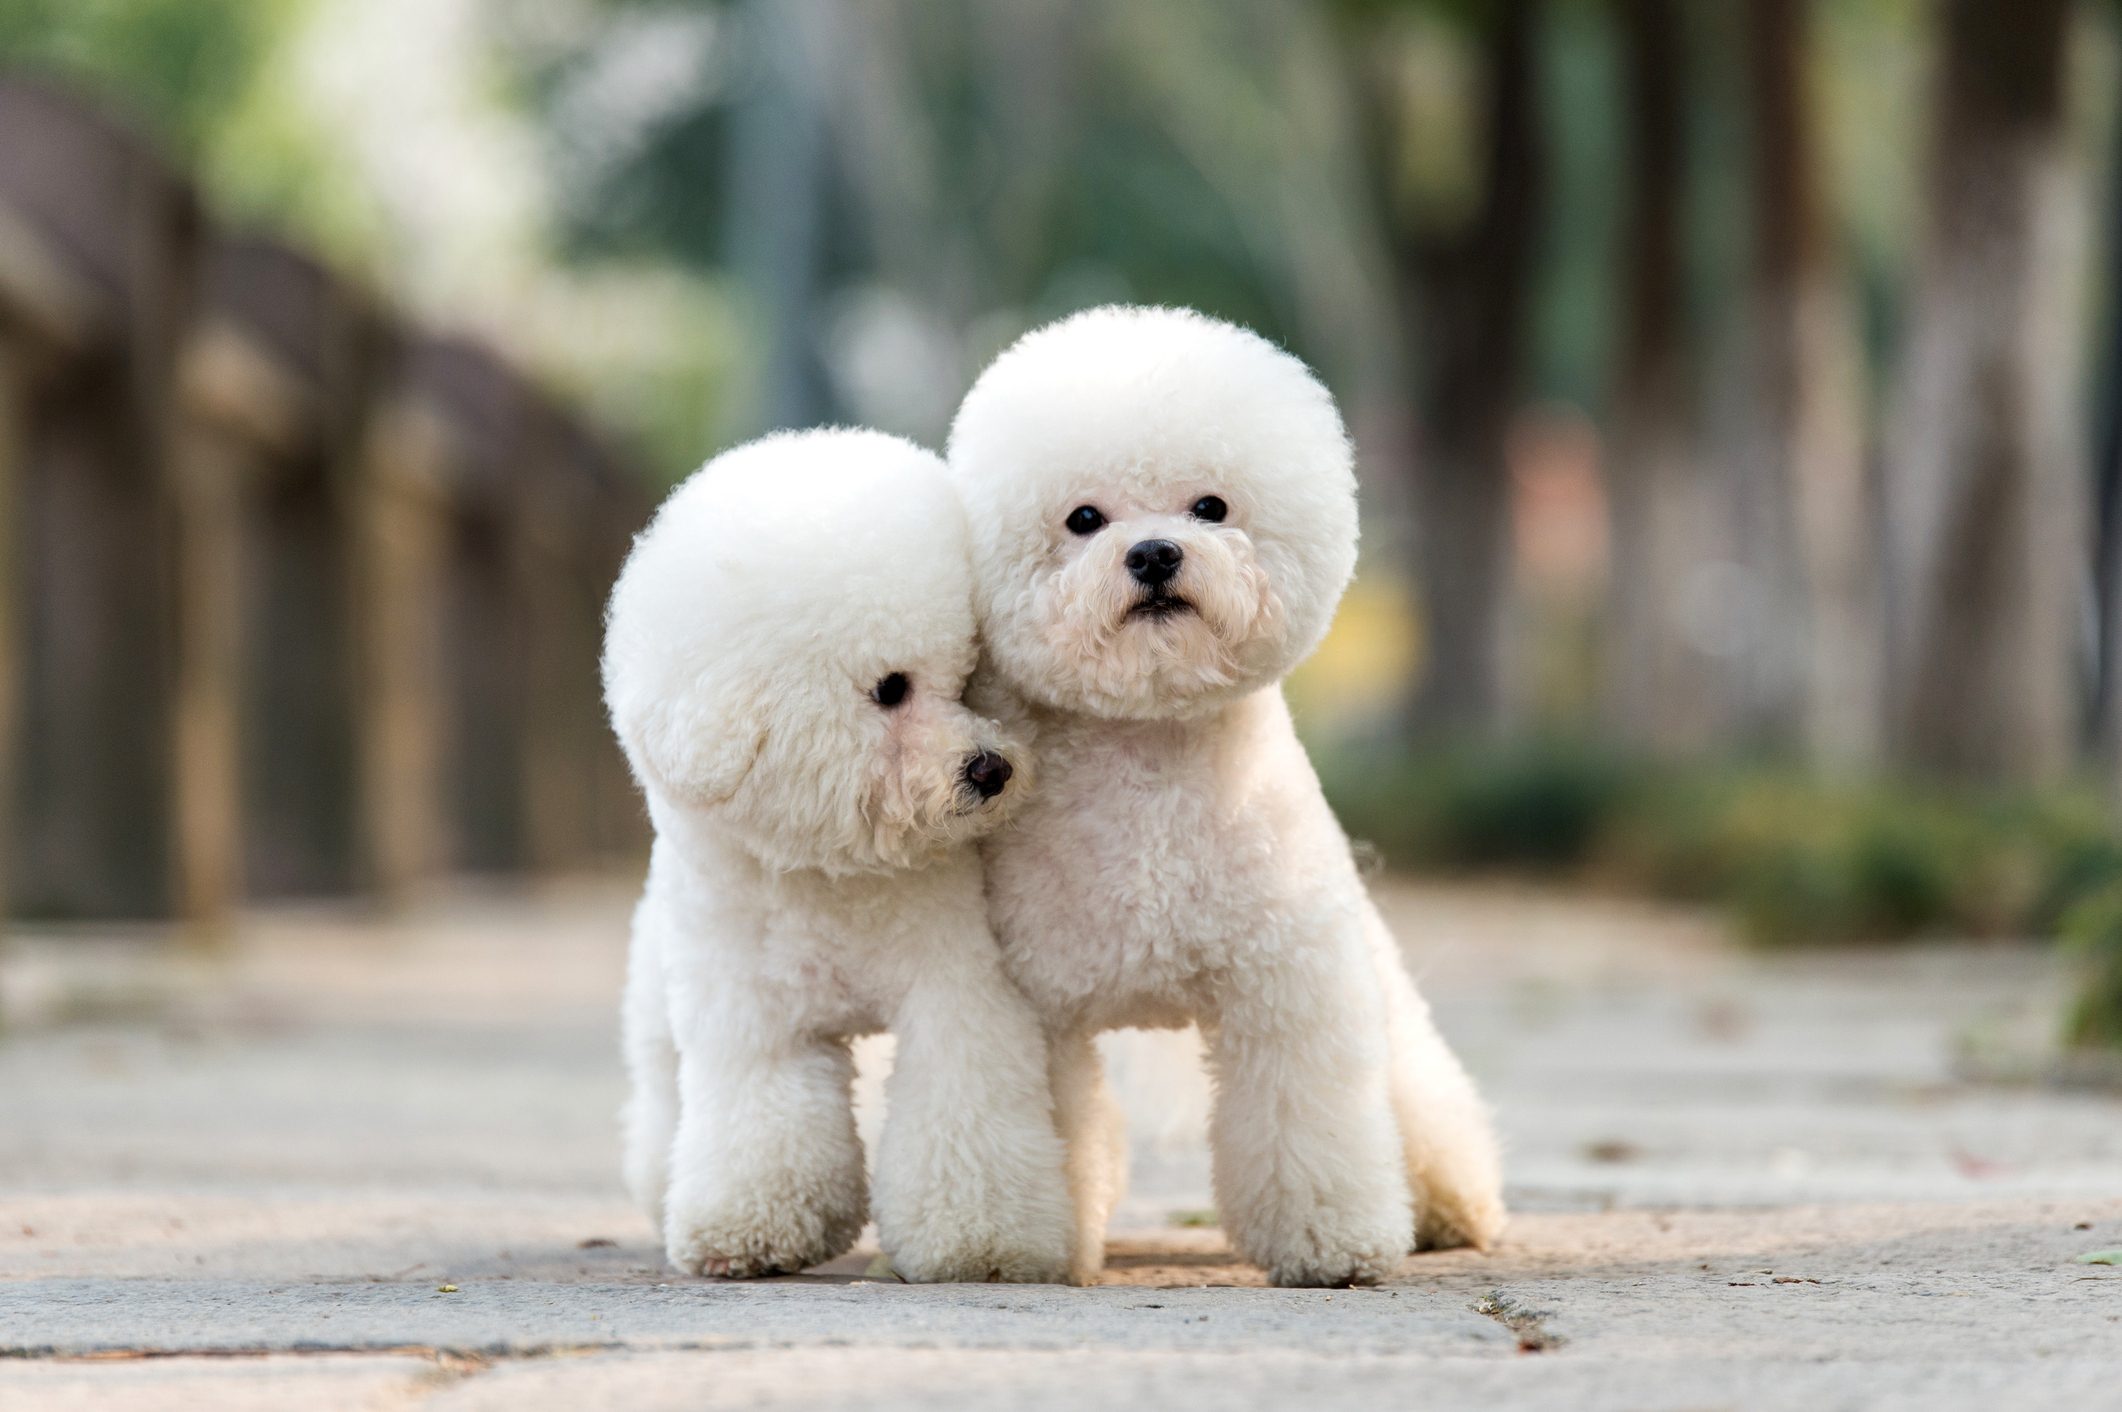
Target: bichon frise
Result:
[[1163, 516], [783, 661]]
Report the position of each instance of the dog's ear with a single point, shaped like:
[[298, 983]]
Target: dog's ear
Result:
[[693, 747]]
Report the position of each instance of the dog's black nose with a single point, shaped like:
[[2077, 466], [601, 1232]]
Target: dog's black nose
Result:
[[987, 772], [1154, 561]]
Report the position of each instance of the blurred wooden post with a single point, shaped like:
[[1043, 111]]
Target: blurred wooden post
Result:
[[512, 547], [401, 521], [454, 461], [209, 595], [276, 391], [47, 318], [100, 238], [585, 799], [624, 507], [556, 508], [492, 434]]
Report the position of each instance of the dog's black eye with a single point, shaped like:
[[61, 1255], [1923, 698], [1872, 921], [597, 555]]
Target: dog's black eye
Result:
[[1210, 508], [1085, 519], [890, 691]]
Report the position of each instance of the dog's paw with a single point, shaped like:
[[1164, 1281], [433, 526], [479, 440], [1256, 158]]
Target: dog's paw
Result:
[[1460, 1204], [1030, 1251], [748, 1245], [1457, 1225], [728, 1256], [1318, 1251], [1327, 1268], [985, 1262], [1007, 1242], [1086, 1261]]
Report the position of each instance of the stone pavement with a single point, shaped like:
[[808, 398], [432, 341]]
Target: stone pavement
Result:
[[371, 1165]]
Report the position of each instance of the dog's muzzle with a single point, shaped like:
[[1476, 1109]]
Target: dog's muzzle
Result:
[[1159, 602]]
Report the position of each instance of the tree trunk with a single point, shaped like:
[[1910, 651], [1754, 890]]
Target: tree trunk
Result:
[[2106, 686], [1665, 609], [781, 179], [1807, 525], [1986, 505], [1470, 294], [14, 418]]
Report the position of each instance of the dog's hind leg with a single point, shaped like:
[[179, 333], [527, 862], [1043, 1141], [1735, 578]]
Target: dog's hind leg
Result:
[[1093, 1128], [649, 1121], [1453, 1167]]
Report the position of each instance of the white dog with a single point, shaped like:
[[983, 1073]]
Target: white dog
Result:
[[783, 662], [1163, 517]]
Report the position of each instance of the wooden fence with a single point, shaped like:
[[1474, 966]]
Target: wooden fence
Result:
[[295, 600]]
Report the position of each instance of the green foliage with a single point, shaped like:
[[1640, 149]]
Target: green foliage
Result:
[[180, 63], [211, 79], [1812, 865], [2093, 932], [1794, 858], [1538, 808]]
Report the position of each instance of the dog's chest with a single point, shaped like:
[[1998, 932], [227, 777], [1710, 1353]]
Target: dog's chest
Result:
[[832, 957], [1130, 879]]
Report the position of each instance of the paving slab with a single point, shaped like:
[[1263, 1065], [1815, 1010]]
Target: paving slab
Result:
[[353, 1382], [355, 1163]]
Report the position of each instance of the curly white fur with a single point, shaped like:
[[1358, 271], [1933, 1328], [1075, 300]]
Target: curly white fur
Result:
[[1179, 863], [811, 879]]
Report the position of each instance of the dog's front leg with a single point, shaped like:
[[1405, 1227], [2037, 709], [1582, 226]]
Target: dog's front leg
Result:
[[969, 1169], [1093, 1131], [766, 1172], [1308, 1172]]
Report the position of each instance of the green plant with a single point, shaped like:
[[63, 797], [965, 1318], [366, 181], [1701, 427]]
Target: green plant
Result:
[[1796, 858], [1537, 808], [2093, 934]]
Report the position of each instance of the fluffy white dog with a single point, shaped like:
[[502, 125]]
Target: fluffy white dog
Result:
[[1163, 517], [783, 661]]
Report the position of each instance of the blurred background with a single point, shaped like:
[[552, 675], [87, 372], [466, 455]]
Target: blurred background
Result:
[[1736, 390]]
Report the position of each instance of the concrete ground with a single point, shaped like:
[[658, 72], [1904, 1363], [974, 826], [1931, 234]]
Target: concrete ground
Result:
[[372, 1166]]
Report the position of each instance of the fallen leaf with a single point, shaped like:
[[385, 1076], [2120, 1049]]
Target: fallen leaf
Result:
[[445, 1289], [1611, 1149], [1977, 1167], [1725, 1021], [596, 1243], [2101, 1257], [1194, 1219]]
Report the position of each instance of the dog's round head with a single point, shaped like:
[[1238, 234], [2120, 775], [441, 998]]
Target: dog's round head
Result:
[[785, 652], [1162, 508]]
